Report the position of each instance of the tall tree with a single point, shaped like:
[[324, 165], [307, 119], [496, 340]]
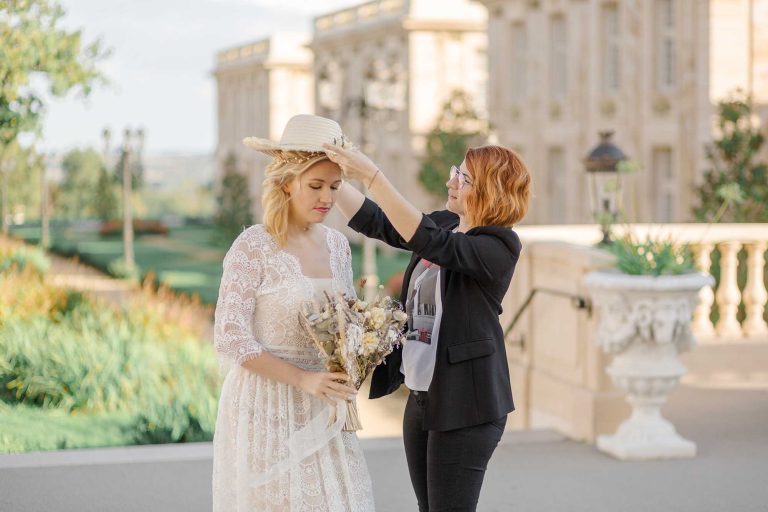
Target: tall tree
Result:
[[35, 44], [23, 180], [106, 201], [733, 159], [458, 127], [78, 193], [233, 202]]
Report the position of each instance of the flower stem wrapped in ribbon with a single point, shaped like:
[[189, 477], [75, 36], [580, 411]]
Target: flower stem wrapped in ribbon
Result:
[[354, 337]]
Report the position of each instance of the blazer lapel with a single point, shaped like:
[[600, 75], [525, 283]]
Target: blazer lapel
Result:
[[442, 284]]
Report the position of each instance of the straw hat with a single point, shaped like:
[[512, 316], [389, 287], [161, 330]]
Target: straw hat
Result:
[[303, 132]]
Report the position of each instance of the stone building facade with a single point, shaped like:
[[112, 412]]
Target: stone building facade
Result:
[[259, 86], [405, 58], [550, 74], [562, 70]]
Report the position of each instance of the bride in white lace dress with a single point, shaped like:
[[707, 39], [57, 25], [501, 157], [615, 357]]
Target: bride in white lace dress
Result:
[[274, 446]]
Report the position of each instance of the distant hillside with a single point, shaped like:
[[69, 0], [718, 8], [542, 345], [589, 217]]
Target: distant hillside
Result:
[[162, 170], [166, 170]]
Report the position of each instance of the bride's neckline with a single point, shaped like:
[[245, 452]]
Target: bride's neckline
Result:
[[296, 260]]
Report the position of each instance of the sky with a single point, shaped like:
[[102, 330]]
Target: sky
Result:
[[162, 56]]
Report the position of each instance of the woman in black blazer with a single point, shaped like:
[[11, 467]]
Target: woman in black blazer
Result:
[[454, 360]]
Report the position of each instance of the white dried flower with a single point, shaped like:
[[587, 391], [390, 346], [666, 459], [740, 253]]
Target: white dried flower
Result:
[[378, 316]]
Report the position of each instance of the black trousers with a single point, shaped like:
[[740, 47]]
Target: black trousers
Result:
[[447, 468]]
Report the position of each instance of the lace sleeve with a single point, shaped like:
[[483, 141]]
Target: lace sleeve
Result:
[[233, 333], [349, 284]]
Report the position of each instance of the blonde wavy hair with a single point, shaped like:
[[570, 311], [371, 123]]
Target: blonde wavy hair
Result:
[[285, 167], [501, 187]]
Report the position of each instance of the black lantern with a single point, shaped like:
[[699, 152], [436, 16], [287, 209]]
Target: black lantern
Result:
[[602, 165]]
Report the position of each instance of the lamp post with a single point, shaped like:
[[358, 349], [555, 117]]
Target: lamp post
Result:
[[106, 136], [602, 166], [130, 260], [133, 146], [381, 92]]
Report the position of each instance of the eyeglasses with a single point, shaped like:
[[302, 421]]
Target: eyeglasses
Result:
[[463, 177]]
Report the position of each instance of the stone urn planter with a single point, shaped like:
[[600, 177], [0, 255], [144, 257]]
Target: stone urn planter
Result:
[[645, 321]]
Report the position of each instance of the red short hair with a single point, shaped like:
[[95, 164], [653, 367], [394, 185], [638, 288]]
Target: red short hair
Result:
[[501, 187]]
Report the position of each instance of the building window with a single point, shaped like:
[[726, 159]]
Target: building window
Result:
[[519, 72], [557, 186], [664, 185], [665, 44], [243, 104], [558, 57], [611, 46], [329, 83]]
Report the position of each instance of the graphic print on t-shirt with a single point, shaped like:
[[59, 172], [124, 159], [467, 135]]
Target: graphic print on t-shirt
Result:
[[421, 305]]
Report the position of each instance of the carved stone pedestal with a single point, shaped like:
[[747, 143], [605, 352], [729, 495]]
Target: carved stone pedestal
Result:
[[646, 322]]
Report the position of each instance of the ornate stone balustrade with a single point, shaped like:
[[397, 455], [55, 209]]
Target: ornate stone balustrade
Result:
[[728, 240], [559, 373], [246, 51], [359, 13]]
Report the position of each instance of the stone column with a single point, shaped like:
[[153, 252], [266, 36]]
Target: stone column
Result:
[[728, 295], [702, 325], [755, 295]]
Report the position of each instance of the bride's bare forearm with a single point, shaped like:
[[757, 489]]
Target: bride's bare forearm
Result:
[[349, 200], [324, 385], [272, 367]]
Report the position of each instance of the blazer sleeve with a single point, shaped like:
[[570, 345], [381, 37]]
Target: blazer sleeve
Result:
[[485, 254], [371, 221]]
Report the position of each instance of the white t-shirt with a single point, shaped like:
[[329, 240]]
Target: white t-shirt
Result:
[[425, 309]]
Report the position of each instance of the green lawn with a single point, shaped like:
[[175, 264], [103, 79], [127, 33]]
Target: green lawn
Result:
[[188, 259]]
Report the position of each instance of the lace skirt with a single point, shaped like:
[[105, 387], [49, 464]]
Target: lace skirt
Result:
[[273, 450]]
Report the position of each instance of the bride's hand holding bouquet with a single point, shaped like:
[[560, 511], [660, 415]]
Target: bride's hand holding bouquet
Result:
[[353, 337]]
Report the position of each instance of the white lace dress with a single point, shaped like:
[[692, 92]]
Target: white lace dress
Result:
[[273, 447]]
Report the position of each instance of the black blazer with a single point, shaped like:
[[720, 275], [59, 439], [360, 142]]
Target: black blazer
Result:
[[470, 384]]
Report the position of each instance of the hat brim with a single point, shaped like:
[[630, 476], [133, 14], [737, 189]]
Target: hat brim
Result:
[[272, 148]]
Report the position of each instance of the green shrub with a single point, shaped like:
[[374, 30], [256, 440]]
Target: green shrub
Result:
[[735, 161], [183, 408], [651, 257], [79, 363], [64, 353], [90, 365], [119, 269], [24, 257], [233, 203], [28, 428]]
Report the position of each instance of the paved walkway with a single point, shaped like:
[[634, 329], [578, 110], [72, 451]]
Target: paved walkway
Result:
[[69, 273]]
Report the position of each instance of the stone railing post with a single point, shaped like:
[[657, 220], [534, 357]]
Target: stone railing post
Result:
[[728, 295], [702, 325], [755, 295]]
